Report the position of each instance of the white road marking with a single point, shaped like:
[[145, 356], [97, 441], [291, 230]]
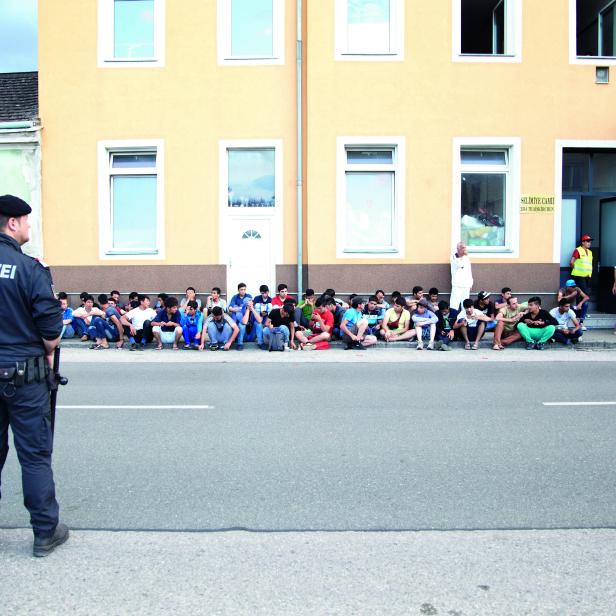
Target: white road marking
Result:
[[134, 406], [602, 403]]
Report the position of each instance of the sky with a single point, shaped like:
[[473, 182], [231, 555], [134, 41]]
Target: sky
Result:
[[18, 36]]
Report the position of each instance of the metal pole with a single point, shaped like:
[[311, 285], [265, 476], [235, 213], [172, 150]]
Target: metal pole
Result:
[[300, 143]]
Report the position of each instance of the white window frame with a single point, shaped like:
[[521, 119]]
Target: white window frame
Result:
[[513, 35], [573, 57], [396, 32], [225, 58], [512, 215], [398, 144], [106, 58], [105, 172], [228, 214]]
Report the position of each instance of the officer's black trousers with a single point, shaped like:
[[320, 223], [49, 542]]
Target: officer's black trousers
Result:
[[29, 415]]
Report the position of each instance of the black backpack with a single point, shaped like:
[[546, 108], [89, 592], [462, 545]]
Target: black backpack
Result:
[[276, 340]]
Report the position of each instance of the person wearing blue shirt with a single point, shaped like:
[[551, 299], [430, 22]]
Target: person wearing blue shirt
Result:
[[374, 315], [67, 320], [192, 324], [237, 307], [167, 325], [353, 326]]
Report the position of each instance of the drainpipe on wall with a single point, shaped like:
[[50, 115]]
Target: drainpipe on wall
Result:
[[300, 255]]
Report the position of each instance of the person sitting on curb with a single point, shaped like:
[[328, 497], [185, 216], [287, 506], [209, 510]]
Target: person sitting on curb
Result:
[[445, 333], [374, 315], [321, 326], [577, 298], [238, 306], [353, 326], [432, 300], [471, 324], [221, 330], [568, 331], [281, 319], [483, 304], [425, 326], [138, 321], [416, 297], [82, 317], [108, 328], [214, 299], [167, 325], [67, 319], [536, 325], [396, 322], [192, 324], [501, 302], [507, 318]]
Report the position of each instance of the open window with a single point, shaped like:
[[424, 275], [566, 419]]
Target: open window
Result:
[[487, 30], [595, 31]]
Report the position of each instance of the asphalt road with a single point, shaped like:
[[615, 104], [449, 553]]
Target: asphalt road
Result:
[[332, 447]]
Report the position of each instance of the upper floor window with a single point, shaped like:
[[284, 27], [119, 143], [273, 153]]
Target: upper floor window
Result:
[[487, 30], [369, 29], [251, 31], [131, 33], [595, 29]]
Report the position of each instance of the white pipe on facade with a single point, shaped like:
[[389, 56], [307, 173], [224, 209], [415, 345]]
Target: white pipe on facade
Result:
[[299, 119]]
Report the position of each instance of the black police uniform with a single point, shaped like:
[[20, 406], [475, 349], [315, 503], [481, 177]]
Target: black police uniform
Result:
[[29, 312]]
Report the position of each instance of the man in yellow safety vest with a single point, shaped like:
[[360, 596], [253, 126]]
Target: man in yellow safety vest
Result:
[[581, 264]]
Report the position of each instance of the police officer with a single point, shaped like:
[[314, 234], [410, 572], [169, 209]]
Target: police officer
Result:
[[31, 323]]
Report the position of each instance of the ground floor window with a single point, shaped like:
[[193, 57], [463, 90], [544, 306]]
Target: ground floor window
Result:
[[131, 200], [488, 208], [370, 197]]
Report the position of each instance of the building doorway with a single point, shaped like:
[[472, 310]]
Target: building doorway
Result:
[[589, 207]]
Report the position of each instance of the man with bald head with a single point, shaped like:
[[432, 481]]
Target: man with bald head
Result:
[[461, 276]]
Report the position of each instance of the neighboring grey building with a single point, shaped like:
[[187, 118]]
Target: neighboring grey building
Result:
[[20, 147]]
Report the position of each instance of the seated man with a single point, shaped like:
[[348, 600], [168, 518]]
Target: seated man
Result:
[[114, 298], [259, 309], [374, 315], [425, 322], [192, 324], [444, 328], [396, 322], [576, 297], [138, 322], [108, 328], [280, 319], [214, 299], [569, 330], [471, 324], [133, 302], [321, 326], [221, 330], [190, 295], [303, 312], [432, 300], [536, 325], [67, 319], [353, 326], [415, 298], [380, 300], [82, 317], [281, 298], [237, 308], [507, 319], [167, 325], [501, 302], [484, 305]]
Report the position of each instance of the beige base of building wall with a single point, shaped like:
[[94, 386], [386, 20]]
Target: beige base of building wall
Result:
[[524, 278]]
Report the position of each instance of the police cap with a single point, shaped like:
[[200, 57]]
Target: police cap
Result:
[[13, 206]]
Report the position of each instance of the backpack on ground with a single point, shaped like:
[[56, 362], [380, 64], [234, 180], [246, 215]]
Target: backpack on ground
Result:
[[276, 340]]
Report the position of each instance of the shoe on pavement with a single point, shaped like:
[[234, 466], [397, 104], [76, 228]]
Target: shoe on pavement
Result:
[[133, 346], [420, 346], [540, 346], [445, 347], [430, 346], [530, 346], [43, 546], [240, 347], [263, 346], [213, 347]]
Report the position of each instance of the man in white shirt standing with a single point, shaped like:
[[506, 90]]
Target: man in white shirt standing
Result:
[[461, 276]]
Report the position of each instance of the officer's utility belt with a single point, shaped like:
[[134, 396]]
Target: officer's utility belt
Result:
[[20, 373]]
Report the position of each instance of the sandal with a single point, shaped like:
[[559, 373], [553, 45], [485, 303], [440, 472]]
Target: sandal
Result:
[[475, 347], [159, 347], [497, 347], [467, 346]]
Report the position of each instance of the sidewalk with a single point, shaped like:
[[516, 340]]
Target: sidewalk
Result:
[[455, 573]]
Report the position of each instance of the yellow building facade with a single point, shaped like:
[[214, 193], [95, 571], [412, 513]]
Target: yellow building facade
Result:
[[170, 139]]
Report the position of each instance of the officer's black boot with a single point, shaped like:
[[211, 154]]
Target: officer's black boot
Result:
[[46, 545]]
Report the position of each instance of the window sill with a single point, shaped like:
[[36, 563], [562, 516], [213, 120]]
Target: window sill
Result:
[[369, 57], [488, 58], [595, 60], [273, 61], [119, 63]]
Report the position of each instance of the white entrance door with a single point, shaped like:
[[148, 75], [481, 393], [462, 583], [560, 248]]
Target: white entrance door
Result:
[[250, 255]]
